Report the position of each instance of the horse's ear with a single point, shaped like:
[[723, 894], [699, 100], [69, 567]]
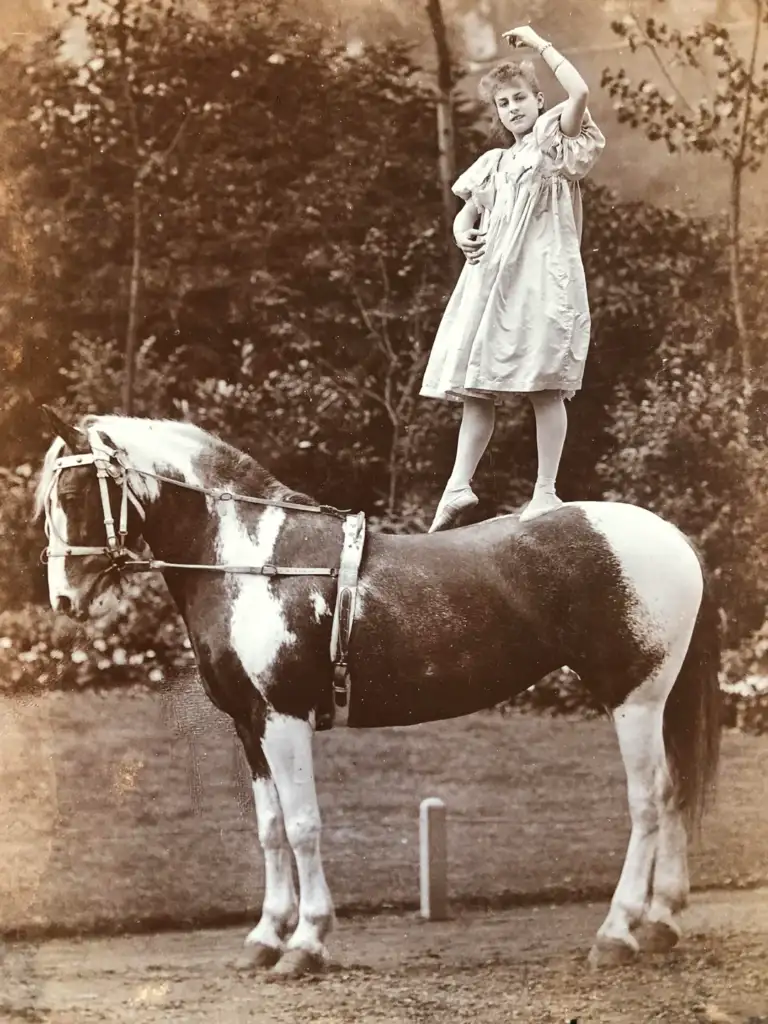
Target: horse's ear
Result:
[[106, 440], [74, 438]]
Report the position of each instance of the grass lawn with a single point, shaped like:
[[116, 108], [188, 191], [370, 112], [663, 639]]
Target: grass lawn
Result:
[[106, 822]]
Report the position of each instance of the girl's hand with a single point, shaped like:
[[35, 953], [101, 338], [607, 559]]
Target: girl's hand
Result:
[[524, 35], [472, 244]]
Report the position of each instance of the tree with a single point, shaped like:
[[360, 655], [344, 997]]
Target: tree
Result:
[[445, 125], [732, 123], [688, 440]]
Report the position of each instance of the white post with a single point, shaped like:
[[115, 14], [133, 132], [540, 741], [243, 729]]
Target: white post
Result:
[[433, 875]]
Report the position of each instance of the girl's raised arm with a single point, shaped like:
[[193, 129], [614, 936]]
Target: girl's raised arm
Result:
[[566, 74]]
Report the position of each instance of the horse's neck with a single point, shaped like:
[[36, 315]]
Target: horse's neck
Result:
[[185, 520]]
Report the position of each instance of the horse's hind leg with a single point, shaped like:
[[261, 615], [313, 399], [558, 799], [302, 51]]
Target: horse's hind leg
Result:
[[288, 749], [670, 886], [639, 723], [264, 945]]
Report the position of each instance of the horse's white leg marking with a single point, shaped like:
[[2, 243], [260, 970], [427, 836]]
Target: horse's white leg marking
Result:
[[639, 729], [258, 629], [639, 725], [670, 887], [664, 575], [288, 749], [280, 902]]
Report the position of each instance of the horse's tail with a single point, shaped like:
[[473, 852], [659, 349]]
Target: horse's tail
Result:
[[692, 715]]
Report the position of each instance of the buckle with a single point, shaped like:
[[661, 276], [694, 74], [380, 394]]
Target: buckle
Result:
[[269, 569]]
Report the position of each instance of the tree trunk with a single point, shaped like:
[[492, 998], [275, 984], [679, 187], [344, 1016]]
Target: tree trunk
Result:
[[446, 145], [734, 253], [134, 294], [734, 227]]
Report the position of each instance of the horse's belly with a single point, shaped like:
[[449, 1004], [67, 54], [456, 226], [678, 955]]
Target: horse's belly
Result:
[[391, 695]]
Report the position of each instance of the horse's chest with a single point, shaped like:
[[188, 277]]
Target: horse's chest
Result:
[[258, 628]]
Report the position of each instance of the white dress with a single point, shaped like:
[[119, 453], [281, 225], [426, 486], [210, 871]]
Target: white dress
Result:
[[518, 321]]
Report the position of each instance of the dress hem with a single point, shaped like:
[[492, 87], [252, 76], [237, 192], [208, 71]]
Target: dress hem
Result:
[[458, 394]]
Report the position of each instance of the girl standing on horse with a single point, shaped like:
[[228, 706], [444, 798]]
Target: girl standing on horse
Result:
[[518, 320]]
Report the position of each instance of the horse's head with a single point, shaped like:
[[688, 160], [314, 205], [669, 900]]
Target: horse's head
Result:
[[93, 519]]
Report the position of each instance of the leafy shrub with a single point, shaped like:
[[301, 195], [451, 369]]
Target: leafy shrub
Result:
[[745, 684], [21, 578], [683, 451], [142, 641]]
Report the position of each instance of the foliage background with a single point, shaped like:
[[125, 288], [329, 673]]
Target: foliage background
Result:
[[293, 271]]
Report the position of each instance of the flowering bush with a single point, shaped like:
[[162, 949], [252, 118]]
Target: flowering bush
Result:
[[745, 684], [142, 641]]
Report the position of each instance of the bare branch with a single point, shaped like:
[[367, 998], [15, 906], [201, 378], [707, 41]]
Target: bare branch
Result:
[[364, 312], [663, 67], [386, 340], [349, 384], [744, 130]]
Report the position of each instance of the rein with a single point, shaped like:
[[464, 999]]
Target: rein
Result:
[[122, 559]]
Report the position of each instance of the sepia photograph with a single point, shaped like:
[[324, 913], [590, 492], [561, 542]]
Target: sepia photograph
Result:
[[384, 519]]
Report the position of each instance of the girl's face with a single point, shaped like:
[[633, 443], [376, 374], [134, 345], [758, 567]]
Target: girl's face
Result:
[[518, 107]]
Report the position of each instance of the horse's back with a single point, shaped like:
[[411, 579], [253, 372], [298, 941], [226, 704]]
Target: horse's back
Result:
[[631, 537], [462, 619]]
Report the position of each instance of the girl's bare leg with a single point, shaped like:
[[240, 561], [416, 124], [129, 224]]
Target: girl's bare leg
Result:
[[477, 423], [551, 428]]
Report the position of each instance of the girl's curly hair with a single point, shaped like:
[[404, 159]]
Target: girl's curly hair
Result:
[[500, 77]]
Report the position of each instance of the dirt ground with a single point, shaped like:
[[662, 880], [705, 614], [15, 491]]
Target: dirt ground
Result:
[[518, 965], [114, 817], [117, 812]]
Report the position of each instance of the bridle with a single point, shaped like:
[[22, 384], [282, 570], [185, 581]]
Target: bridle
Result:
[[109, 463]]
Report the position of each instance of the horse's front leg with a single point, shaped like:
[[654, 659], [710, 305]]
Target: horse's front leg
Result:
[[287, 748], [265, 944]]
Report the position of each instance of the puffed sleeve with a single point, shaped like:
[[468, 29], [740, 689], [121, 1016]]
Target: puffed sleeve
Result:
[[477, 180], [572, 156]]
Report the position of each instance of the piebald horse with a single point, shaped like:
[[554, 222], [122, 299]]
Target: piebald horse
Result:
[[446, 624]]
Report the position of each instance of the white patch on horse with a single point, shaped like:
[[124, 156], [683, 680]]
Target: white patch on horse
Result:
[[258, 629], [659, 611], [144, 440], [319, 605]]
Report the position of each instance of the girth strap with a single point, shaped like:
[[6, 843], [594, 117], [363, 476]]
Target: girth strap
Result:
[[343, 621]]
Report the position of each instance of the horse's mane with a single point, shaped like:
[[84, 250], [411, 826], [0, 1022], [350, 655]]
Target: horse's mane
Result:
[[162, 446], [46, 474]]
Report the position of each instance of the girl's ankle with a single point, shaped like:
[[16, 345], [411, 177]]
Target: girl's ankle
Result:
[[545, 486]]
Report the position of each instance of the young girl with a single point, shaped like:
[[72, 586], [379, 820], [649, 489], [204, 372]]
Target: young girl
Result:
[[518, 321]]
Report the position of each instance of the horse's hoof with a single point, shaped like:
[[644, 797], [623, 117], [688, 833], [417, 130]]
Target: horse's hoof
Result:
[[256, 956], [611, 953], [297, 963], [657, 937]]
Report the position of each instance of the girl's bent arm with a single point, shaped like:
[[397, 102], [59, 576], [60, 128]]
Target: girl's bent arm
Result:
[[466, 218]]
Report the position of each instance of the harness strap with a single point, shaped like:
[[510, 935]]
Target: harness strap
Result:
[[109, 519], [156, 565], [343, 620], [225, 495]]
